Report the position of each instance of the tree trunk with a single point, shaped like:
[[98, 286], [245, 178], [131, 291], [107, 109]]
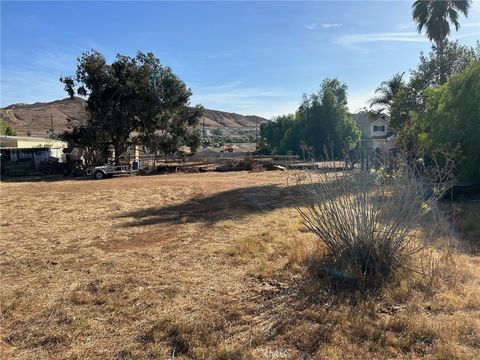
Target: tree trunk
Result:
[[441, 55], [118, 151]]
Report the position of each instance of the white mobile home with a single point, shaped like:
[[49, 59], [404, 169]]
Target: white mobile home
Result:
[[21, 155]]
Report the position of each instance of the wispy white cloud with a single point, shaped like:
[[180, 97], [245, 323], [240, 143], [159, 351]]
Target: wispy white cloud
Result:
[[314, 26], [327, 25], [461, 36], [311, 26], [228, 86], [352, 41], [411, 25], [386, 36]]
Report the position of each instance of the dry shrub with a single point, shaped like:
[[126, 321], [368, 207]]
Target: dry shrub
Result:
[[466, 216], [372, 222]]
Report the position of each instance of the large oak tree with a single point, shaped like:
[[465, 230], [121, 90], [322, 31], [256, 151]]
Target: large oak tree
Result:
[[132, 100]]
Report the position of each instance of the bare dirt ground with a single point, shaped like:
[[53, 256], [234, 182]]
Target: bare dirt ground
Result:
[[206, 266]]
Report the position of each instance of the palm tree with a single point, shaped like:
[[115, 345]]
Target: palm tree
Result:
[[385, 94], [435, 16]]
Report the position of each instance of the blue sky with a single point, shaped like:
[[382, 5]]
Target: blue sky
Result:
[[246, 57]]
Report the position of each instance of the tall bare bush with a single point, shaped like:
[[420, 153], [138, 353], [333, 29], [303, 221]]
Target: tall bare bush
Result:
[[373, 222]]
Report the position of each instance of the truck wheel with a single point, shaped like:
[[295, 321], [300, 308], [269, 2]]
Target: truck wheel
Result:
[[99, 175]]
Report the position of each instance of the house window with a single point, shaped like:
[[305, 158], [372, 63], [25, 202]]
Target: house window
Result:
[[378, 128]]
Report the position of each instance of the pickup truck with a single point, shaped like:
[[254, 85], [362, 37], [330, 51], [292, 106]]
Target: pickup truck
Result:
[[108, 171]]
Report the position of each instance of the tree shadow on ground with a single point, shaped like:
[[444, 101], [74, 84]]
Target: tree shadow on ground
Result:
[[226, 205]]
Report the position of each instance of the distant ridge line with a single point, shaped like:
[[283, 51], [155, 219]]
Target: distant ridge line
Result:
[[36, 118]]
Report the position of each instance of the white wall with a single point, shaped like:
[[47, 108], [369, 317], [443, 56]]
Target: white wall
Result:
[[378, 122]]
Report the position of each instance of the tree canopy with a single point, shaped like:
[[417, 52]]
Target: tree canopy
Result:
[[456, 58], [436, 15], [439, 115], [321, 123], [452, 119], [385, 94], [412, 95], [132, 100]]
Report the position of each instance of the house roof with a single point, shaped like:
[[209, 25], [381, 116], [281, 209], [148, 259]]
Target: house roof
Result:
[[23, 142], [363, 118]]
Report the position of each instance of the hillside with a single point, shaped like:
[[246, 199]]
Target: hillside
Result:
[[37, 118], [216, 118]]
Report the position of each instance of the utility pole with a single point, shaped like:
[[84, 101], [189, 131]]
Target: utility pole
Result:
[[256, 135], [51, 126]]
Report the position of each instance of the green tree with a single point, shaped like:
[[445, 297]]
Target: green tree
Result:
[[383, 101], [455, 57], [69, 85], [133, 100], [328, 127], [404, 102], [291, 140], [435, 16], [411, 96], [272, 133], [6, 129], [452, 119], [322, 123]]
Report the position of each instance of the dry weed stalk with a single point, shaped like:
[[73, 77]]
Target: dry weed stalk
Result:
[[374, 222]]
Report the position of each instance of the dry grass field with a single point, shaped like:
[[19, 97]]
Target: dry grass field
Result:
[[205, 266]]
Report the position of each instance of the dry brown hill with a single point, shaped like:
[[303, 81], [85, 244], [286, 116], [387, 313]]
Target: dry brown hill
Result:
[[216, 118], [37, 118]]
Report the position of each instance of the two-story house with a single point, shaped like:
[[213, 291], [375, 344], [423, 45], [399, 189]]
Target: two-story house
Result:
[[376, 134]]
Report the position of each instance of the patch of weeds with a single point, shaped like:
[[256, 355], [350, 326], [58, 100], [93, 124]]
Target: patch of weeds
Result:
[[51, 341], [309, 337], [171, 292], [420, 337], [229, 352], [150, 335], [225, 225], [93, 286], [252, 246], [91, 293], [124, 355], [82, 298], [176, 334]]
